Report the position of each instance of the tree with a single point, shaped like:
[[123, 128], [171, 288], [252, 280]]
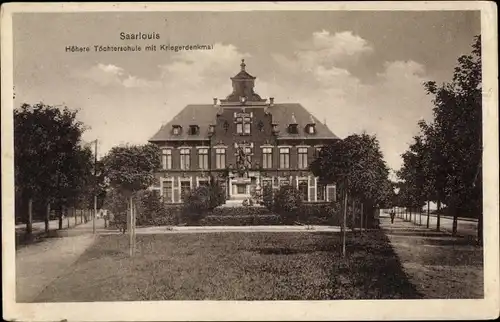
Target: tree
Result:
[[130, 169], [456, 136], [356, 164], [49, 162]]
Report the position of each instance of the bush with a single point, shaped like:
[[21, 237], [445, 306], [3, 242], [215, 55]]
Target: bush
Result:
[[149, 207], [288, 203], [240, 211], [241, 220], [268, 197]]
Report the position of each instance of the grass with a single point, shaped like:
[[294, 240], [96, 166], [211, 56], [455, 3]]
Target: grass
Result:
[[234, 266]]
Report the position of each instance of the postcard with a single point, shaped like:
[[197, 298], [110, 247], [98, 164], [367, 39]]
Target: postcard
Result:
[[250, 161]]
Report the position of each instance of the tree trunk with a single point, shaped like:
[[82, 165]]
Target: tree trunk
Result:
[[420, 217], [361, 215], [59, 216], [428, 212], [47, 218], [74, 215], [455, 219], [129, 228], [480, 229], [344, 224], [66, 213], [438, 212], [353, 215], [29, 223]]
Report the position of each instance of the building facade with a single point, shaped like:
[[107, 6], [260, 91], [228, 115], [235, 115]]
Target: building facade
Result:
[[244, 142]]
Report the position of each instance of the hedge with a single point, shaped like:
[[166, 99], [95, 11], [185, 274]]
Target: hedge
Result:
[[245, 216]]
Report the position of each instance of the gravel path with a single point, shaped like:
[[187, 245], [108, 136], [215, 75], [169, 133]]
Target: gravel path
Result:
[[440, 266]]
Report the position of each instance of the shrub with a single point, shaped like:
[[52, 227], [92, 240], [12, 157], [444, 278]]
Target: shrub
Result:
[[149, 207], [268, 197], [288, 203], [240, 211], [196, 204], [241, 220]]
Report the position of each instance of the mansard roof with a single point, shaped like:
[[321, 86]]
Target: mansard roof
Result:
[[204, 115]]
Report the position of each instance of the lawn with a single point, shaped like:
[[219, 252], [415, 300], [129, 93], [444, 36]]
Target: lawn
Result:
[[234, 266]]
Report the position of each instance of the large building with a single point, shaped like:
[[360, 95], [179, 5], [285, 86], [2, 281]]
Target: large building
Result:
[[245, 142]]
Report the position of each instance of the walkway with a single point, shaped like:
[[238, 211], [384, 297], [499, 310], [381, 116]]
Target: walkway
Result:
[[40, 264], [439, 265]]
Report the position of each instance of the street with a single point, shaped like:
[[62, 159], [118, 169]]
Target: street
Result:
[[465, 226]]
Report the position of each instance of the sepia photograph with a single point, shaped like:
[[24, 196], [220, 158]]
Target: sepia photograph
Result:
[[196, 156]]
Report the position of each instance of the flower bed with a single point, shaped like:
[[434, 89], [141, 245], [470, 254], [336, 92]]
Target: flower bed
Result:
[[240, 220]]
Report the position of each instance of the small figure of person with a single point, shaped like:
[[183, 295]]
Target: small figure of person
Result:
[[392, 216]]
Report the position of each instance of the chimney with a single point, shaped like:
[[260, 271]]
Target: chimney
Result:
[[215, 101], [271, 101]]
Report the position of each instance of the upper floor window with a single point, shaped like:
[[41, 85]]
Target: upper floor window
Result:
[[203, 158], [311, 129], [176, 129], [302, 155], [243, 125], [317, 151], [194, 129], [248, 154], [284, 158], [267, 158], [166, 159], [185, 159], [292, 129], [220, 158]]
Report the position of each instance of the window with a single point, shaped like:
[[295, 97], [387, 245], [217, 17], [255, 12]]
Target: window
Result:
[[241, 189], [284, 158], [267, 158], [203, 183], [267, 182], [302, 154], [303, 189], [311, 129], [166, 159], [167, 191], [317, 151], [203, 159], [284, 182], [185, 189], [321, 192], [243, 125], [176, 130], [220, 158], [185, 159], [246, 124], [248, 154], [292, 128], [193, 129]]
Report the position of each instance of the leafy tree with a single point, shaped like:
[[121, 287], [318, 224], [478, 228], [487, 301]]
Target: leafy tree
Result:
[[49, 161], [131, 168], [356, 164], [455, 136], [116, 203]]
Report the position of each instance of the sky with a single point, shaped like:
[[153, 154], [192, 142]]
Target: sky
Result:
[[357, 71]]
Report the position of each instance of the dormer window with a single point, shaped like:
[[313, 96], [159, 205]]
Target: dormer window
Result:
[[211, 129], [310, 129], [194, 129], [176, 129], [275, 128], [292, 129]]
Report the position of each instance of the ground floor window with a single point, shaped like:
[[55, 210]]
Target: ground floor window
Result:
[[167, 191], [321, 192], [303, 189], [185, 189], [241, 189], [203, 183]]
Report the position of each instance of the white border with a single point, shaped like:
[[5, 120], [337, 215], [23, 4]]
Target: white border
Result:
[[263, 310]]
